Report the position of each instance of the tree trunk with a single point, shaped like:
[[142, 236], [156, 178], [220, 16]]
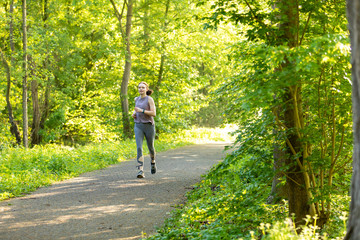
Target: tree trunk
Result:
[[126, 75], [24, 85], [35, 128], [13, 126], [14, 129], [39, 117], [127, 132], [353, 10], [146, 30], [46, 102], [46, 107], [278, 192], [298, 194], [162, 66], [163, 49]]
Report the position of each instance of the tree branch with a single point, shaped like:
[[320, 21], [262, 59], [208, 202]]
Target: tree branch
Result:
[[119, 16], [307, 23], [256, 18], [5, 62]]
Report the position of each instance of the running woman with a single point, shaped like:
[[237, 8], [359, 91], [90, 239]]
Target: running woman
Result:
[[143, 115]]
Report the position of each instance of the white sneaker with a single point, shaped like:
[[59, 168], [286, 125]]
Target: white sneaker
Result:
[[140, 174]]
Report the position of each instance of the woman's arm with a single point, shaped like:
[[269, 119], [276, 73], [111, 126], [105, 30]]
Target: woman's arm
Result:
[[152, 111], [134, 113]]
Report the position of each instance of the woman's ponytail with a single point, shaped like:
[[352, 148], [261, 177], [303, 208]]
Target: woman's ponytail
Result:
[[149, 92]]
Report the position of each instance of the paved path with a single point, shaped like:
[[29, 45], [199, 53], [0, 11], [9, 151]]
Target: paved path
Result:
[[109, 203]]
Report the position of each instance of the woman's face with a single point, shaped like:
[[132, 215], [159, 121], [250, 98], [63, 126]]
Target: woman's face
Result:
[[142, 89]]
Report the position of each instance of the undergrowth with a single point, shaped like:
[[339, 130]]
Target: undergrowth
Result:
[[231, 203], [25, 170]]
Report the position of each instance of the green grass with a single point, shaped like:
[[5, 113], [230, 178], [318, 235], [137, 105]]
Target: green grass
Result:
[[231, 203], [24, 170]]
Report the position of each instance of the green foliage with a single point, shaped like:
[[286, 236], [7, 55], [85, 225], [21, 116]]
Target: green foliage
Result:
[[287, 231], [231, 203], [77, 54], [193, 66], [24, 170], [326, 105], [226, 204]]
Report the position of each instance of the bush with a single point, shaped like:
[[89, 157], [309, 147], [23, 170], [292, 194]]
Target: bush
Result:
[[231, 203]]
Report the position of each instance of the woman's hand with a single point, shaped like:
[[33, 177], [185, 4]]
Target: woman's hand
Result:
[[133, 115]]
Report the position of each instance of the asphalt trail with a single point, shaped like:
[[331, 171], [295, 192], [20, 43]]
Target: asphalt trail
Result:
[[110, 203]]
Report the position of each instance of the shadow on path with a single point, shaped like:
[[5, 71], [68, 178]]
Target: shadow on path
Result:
[[109, 203]]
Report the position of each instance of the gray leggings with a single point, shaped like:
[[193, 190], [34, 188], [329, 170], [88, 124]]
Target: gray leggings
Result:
[[147, 130]]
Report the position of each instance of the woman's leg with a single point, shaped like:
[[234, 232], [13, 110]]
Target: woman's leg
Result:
[[139, 137], [150, 138]]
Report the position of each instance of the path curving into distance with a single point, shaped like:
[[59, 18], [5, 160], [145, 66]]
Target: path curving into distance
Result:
[[110, 203]]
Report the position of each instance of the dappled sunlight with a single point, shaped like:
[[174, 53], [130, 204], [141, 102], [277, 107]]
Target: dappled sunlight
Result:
[[167, 179], [112, 208], [136, 237], [70, 217], [91, 235], [139, 199], [85, 212], [213, 135], [139, 183], [109, 202]]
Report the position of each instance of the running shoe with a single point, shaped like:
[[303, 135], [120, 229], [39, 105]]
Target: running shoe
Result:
[[153, 168], [140, 174]]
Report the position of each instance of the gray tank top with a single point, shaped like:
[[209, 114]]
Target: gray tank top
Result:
[[143, 103]]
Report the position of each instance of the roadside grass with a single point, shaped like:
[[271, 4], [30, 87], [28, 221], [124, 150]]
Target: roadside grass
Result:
[[231, 203], [24, 170]]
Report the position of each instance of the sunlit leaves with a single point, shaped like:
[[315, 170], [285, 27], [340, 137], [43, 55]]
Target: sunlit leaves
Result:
[[320, 67]]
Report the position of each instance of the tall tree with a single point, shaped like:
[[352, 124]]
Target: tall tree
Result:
[[297, 180], [25, 72], [13, 126], [163, 49], [127, 132], [286, 31], [36, 117], [14, 129], [353, 10], [40, 113], [162, 61]]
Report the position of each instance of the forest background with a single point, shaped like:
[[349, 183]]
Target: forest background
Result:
[[279, 70]]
